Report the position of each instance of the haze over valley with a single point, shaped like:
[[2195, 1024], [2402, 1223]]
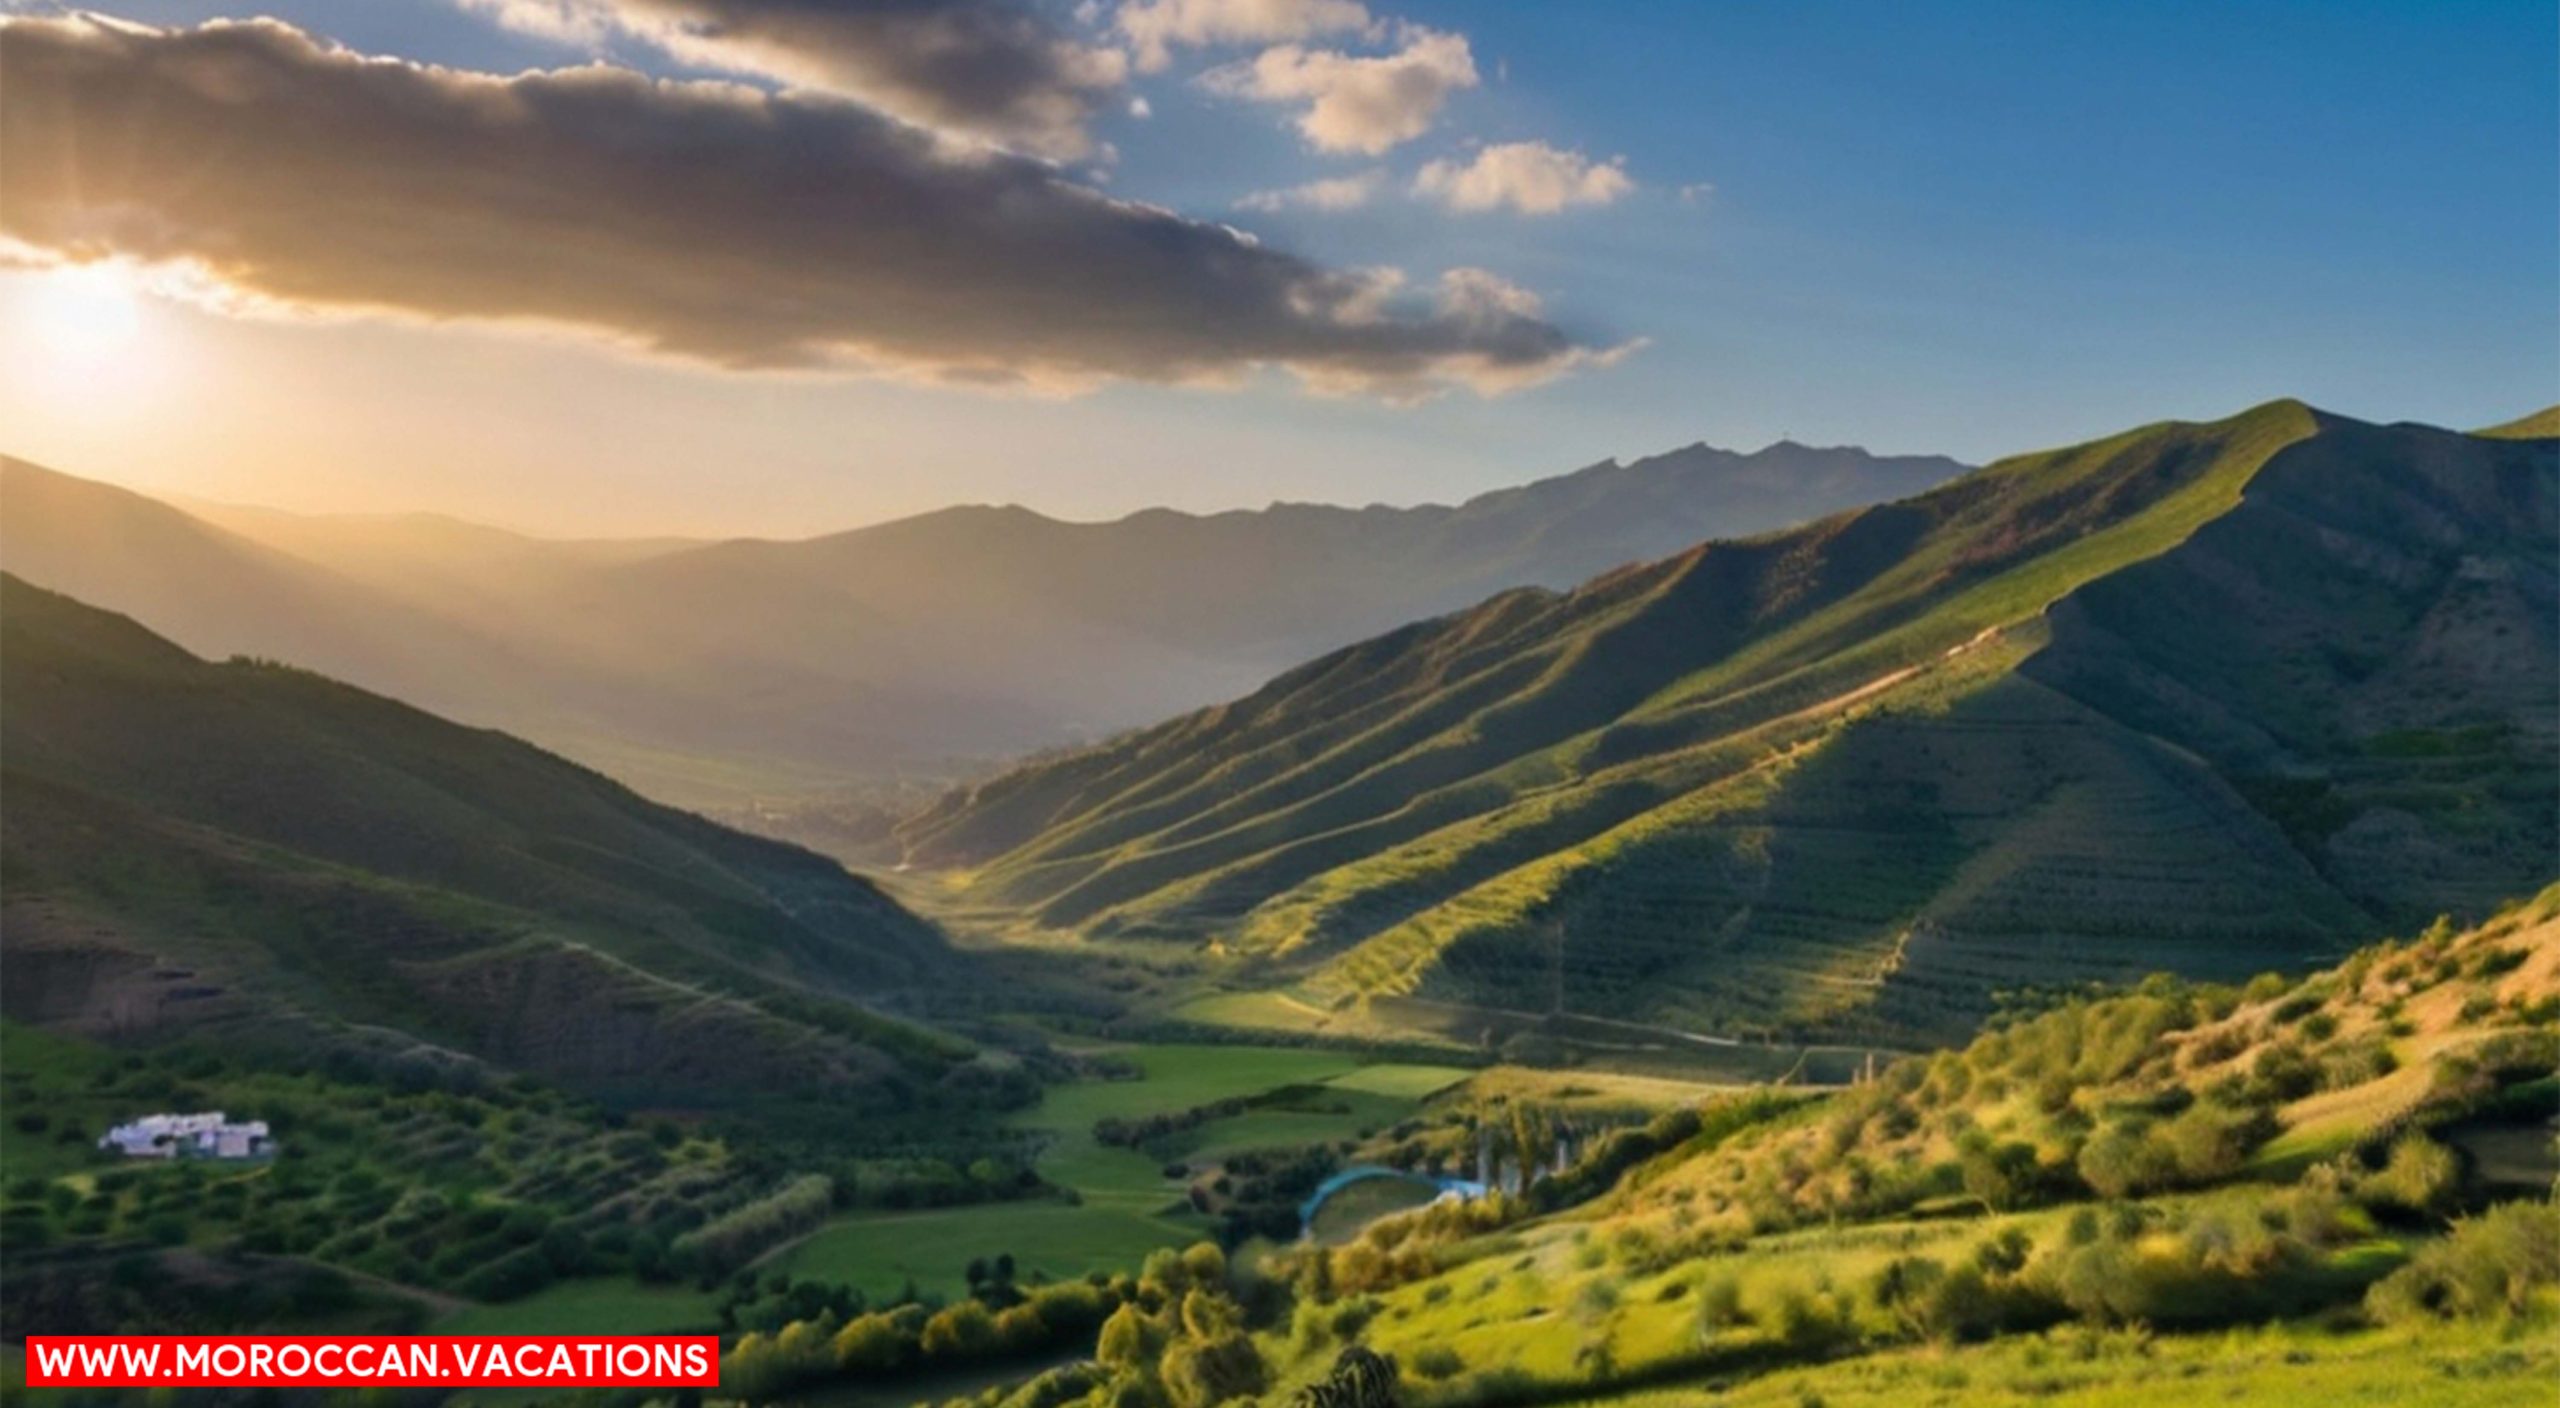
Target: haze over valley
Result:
[[909, 649]]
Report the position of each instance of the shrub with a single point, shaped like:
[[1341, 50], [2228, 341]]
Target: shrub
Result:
[[1438, 1361], [2491, 1265], [2122, 1159], [738, 1235], [1202, 1373], [961, 1331], [1800, 1317], [1719, 1304], [2419, 1177]]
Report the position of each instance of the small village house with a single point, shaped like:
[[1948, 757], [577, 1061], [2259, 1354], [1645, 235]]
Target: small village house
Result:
[[206, 1135]]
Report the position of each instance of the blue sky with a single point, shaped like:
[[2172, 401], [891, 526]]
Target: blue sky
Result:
[[1960, 228]]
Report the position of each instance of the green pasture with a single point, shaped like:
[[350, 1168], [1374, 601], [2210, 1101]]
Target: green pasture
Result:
[[604, 1305], [880, 1255]]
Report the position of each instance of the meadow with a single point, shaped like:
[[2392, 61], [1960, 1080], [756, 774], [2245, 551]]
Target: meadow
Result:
[[601, 1305], [1124, 1203], [926, 1253]]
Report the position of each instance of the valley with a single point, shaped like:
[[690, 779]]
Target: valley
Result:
[[888, 658], [1921, 951], [1279, 704]]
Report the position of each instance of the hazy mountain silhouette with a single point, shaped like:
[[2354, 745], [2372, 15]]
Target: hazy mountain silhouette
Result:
[[707, 672]]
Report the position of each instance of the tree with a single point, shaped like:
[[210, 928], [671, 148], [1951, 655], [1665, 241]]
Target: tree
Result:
[[870, 1343], [963, 1330], [2000, 1175], [2116, 1162], [1128, 1340], [2420, 1175]]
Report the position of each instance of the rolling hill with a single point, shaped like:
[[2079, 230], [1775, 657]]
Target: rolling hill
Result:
[[711, 673], [2336, 1188], [248, 852], [2206, 697]]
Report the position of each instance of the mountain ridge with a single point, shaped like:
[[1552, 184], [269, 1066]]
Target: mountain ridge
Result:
[[1783, 768], [715, 672], [258, 850]]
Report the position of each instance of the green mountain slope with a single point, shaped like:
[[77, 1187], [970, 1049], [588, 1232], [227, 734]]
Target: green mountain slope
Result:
[[2209, 697], [2168, 1194], [265, 852], [2543, 424]]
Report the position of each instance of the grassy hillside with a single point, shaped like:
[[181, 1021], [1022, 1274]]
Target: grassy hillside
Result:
[[2543, 424], [252, 850], [2215, 697], [2176, 1190]]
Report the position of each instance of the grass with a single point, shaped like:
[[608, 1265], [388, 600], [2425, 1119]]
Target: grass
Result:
[[2469, 1366], [882, 1255], [1403, 1082], [1175, 1077], [1181, 1076], [1324, 1119], [1356, 1205], [592, 1306], [2272, 1365], [1126, 1205]]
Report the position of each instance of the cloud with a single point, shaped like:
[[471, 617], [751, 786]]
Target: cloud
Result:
[[1153, 27], [995, 70], [709, 221], [1141, 109], [1354, 103], [1335, 193], [1530, 177]]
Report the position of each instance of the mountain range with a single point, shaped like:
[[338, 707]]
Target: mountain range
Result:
[[710, 673], [250, 854], [2213, 697]]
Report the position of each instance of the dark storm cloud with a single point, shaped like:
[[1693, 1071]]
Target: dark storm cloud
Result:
[[709, 221], [996, 69]]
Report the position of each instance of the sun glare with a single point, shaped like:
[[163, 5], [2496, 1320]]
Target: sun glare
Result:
[[83, 316]]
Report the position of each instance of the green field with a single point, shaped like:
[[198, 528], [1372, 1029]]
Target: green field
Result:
[[1401, 1081], [1328, 1118], [1178, 1077], [881, 1255], [2456, 1367], [598, 1306], [1127, 1206]]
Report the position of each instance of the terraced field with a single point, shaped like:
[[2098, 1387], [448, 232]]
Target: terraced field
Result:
[[2214, 698]]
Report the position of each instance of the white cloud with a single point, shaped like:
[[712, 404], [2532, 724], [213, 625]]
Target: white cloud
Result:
[[1335, 193], [1153, 27], [1529, 177], [1140, 108], [1355, 103], [713, 222]]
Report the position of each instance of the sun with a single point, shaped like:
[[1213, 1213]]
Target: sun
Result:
[[82, 316]]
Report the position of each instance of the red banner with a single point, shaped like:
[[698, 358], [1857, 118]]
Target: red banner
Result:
[[373, 1361]]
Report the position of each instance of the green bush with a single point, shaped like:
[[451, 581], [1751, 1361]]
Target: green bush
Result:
[[2419, 1177], [2491, 1265]]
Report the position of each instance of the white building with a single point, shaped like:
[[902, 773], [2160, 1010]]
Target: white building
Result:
[[207, 1135]]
